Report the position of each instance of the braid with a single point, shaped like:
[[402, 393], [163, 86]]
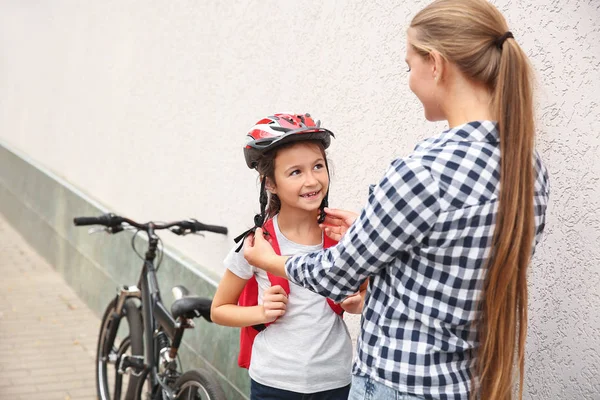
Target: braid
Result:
[[259, 219], [325, 202]]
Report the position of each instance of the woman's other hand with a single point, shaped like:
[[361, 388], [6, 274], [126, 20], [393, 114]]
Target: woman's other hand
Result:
[[353, 304], [337, 222]]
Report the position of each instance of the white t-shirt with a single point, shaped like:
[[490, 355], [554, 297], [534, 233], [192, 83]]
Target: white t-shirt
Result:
[[308, 349]]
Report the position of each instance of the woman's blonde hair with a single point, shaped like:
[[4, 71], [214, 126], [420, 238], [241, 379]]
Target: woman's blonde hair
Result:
[[472, 34]]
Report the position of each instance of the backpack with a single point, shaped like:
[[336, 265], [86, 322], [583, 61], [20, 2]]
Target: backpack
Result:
[[249, 297]]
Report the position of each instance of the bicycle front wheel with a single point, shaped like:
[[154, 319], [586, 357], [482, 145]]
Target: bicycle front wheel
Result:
[[198, 385], [112, 384]]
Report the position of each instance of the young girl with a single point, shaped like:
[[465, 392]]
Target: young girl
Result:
[[447, 234], [305, 352]]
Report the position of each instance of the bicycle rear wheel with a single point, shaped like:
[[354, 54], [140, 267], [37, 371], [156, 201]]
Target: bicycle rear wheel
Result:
[[198, 385], [110, 384]]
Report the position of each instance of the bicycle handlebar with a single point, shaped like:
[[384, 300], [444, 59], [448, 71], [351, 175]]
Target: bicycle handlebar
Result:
[[82, 221], [196, 226], [179, 227], [108, 220]]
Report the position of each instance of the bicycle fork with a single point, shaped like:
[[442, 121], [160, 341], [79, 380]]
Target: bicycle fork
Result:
[[135, 363]]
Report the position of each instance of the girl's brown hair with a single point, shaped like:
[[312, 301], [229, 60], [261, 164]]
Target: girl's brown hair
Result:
[[266, 170], [466, 33]]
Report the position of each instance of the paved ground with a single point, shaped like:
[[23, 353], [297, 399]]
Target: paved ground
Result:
[[47, 334]]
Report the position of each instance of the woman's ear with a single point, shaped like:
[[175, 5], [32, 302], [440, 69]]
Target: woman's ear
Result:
[[438, 65]]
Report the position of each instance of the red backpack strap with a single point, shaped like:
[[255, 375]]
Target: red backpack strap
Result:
[[248, 297], [327, 243], [269, 230], [271, 237], [335, 307]]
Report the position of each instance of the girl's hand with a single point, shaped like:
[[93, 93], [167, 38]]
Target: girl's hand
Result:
[[274, 303], [337, 222]]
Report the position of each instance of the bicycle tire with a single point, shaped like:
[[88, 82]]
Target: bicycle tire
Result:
[[198, 384], [111, 353]]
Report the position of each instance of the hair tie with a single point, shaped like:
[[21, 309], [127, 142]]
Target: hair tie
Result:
[[500, 41]]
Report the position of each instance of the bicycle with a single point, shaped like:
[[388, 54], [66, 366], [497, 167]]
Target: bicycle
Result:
[[144, 352]]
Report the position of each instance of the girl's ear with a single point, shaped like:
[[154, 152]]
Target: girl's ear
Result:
[[270, 186]]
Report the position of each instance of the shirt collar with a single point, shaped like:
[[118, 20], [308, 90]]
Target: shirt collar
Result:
[[474, 131]]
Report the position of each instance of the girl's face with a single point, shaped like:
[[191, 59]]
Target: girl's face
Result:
[[422, 81], [301, 179]]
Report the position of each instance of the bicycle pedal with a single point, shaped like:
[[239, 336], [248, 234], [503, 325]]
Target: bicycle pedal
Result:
[[112, 358], [135, 364]]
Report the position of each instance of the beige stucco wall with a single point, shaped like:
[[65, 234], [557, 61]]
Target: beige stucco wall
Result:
[[144, 106]]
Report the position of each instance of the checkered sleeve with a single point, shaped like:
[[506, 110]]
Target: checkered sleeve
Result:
[[399, 213], [541, 194]]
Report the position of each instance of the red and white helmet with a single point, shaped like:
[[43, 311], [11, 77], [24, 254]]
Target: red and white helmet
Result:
[[273, 131]]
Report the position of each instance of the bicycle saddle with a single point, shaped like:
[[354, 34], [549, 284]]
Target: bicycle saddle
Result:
[[188, 306]]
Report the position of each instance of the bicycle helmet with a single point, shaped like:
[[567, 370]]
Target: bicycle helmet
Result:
[[278, 129]]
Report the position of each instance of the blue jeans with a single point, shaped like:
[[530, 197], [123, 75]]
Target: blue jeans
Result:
[[262, 392], [364, 388]]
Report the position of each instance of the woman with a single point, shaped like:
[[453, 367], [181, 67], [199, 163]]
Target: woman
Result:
[[447, 234]]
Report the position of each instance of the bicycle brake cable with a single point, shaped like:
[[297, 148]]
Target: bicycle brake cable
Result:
[[133, 244], [161, 252], [179, 362]]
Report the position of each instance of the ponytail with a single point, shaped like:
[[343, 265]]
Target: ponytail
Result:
[[503, 324]]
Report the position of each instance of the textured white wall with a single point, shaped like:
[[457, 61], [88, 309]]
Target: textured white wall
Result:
[[144, 105]]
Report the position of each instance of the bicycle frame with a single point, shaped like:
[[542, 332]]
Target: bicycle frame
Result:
[[155, 315]]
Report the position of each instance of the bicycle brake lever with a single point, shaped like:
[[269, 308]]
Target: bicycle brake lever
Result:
[[115, 229], [97, 229]]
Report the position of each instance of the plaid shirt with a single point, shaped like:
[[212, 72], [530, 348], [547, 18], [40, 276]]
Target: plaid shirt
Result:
[[423, 239]]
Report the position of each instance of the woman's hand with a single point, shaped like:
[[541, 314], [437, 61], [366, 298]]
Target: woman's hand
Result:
[[257, 250], [274, 303], [259, 253], [337, 222], [353, 304]]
